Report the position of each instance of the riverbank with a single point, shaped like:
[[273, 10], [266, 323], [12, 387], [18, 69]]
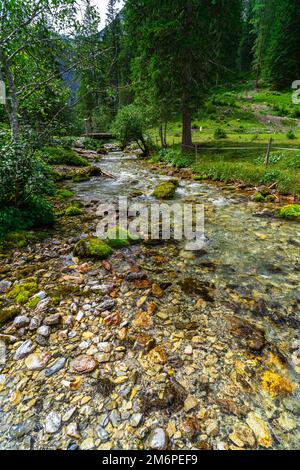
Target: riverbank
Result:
[[155, 347]]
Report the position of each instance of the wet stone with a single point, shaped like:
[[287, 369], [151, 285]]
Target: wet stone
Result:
[[157, 440], [21, 321], [19, 430], [54, 319], [56, 367], [4, 285], [53, 422], [83, 364], [44, 331], [26, 348], [115, 418]]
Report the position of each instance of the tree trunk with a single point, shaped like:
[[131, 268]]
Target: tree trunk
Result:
[[88, 125], [186, 127], [12, 104], [187, 82]]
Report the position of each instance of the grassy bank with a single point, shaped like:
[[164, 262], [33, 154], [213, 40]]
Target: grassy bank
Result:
[[240, 165], [232, 130]]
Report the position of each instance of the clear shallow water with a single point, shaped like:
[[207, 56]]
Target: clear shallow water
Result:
[[253, 264]]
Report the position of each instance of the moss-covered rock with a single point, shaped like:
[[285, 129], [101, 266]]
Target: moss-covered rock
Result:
[[258, 197], [21, 293], [165, 190], [118, 237], [92, 247], [72, 211], [63, 156], [18, 239], [62, 194], [8, 313], [33, 302], [292, 211]]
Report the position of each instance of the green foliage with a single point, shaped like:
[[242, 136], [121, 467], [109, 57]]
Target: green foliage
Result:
[[63, 156], [273, 158], [220, 134], [292, 211], [175, 158], [130, 126], [290, 135], [37, 212]]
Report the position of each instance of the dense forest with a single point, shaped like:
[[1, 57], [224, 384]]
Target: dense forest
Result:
[[129, 341]]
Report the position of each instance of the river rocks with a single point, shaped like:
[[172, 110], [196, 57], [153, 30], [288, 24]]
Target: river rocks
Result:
[[37, 361], [53, 422], [190, 403], [21, 321], [19, 430], [87, 444], [35, 322], [52, 320], [242, 436], [106, 305], [275, 384], [248, 334], [83, 364], [44, 331], [158, 439], [136, 419], [260, 430], [104, 346], [73, 431], [26, 348], [143, 320], [115, 418], [56, 367], [5, 286], [193, 286]]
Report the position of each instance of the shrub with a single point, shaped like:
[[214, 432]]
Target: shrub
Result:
[[290, 135], [130, 126], [220, 133], [175, 158], [36, 213], [273, 158], [23, 175], [292, 211]]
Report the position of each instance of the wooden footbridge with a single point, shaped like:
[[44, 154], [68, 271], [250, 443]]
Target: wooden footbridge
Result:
[[100, 135]]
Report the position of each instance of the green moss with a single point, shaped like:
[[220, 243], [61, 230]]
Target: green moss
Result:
[[33, 302], [62, 194], [118, 237], [258, 197], [63, 156], [164, 190], [21, 293], [80, 177], [72, 211], [18, 239], [92, 247], [270, 198], [292, 211], [8, 313]]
